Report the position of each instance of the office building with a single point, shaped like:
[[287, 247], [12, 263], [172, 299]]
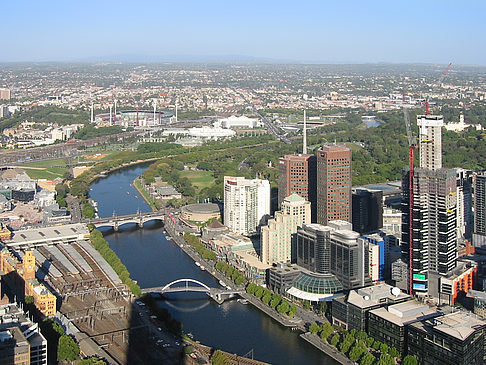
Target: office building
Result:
[[377, 256], [278, 237], [21, 341], [333, 183], [452, 339], [464, 203], [297, 174], [351, 312], [430, 141], [334, 250], [367, 210], [479, 235], [434, 223], [390, 324], [246, 203], [349, 256]]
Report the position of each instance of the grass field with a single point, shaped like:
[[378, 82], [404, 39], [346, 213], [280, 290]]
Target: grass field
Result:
[[45, 173], [199, 179], [49, 163]]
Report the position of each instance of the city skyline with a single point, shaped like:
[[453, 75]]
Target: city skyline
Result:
[[308, 32]]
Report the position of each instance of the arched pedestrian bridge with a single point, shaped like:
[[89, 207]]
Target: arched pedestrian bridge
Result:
[[116, 221], [192, 285]]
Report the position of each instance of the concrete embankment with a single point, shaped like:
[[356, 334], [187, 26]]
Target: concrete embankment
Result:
[[326, 348]]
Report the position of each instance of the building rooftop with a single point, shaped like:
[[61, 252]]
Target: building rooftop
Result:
[[202, 208], [407, 312], [62, 233], [371, 296], [459, 324], [294, 198]]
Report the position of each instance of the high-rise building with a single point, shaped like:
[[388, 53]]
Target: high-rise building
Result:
[[434, 223], [297, 174], [349, 256], [376, 256], [278, 237], [430, 140], [246, 203], [21, 339], [479, 235], [336, 251], [333, 183], [367, 210], [464, 203]]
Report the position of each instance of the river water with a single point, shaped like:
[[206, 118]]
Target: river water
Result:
[[153, 260]]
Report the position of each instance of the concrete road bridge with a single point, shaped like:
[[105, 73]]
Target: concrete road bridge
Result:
[[192, 285], [116, 221]]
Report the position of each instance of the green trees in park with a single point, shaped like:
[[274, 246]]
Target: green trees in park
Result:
[[219, 358], [367, 359], [335, 340], [199, 247], [410, 360], [102, 246], [89, 131], [88, 211], [61, 191], [67, 349]]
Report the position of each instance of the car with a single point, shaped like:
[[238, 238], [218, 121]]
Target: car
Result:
[[166, 345], [159, 329], [160, 341], [177, 343], [153, 317]]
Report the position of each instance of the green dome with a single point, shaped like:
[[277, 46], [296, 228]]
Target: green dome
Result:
[[318, 284]]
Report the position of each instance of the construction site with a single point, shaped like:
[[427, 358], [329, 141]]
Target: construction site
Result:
[[92, 302]]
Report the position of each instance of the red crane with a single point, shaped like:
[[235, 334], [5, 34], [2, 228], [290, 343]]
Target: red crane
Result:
[[444, 74]]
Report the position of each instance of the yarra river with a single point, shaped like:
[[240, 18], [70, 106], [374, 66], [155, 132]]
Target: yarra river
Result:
[[153, 260]]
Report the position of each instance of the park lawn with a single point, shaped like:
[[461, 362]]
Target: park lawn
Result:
[[199, 179], [47, 173], [47, 164]]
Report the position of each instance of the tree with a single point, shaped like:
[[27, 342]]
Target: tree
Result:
[[367, 359], [29, 299], [283, 307], [266, 298], [258, 292], [410, 360], [67, 349], [394, 352], [250, 289], [356, 352], [384, 348], [335, 340], [314, 327], [385, 359]]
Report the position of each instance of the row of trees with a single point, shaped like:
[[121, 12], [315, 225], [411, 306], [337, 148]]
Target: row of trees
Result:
[[219, 358], [272, 299], [199, 247], [358, 346], [230, 272], [102, 246], [61, 192], [89, 131]]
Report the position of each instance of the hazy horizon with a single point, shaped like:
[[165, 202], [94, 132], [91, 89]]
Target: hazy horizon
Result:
[[321, 32]]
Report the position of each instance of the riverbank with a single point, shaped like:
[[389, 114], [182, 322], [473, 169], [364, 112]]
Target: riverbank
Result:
[[144, 194], [330, 351]]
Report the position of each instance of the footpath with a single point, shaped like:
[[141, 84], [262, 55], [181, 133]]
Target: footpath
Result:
[[329, 350]]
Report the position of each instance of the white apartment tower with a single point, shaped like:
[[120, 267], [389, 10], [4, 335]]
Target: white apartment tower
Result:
[[279, 235], [430, 140], [246, 202]]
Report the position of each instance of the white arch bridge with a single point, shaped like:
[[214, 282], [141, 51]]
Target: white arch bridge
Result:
[[116, 221], [192, 285]]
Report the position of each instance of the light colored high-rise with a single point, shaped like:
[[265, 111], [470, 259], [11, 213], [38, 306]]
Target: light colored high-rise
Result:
[[246, 202], [430, 139], [279, 235]]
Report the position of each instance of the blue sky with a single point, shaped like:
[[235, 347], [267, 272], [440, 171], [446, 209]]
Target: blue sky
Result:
[[317, 31]]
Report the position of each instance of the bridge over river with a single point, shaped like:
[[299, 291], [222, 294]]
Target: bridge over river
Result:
[[191, 285], [116, 221]]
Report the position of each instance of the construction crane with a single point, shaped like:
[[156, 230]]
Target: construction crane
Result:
[[444, 74], [412, 145]]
